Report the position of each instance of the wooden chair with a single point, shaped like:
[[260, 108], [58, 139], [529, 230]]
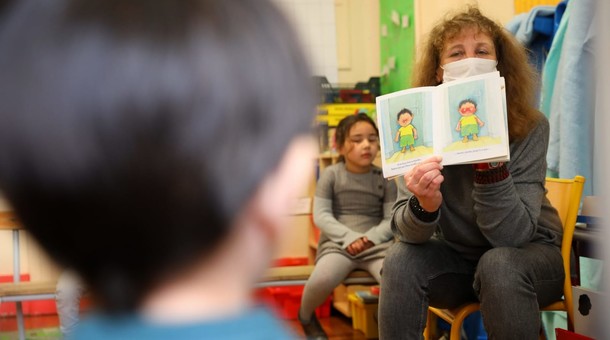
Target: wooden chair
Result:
[[565, 195]]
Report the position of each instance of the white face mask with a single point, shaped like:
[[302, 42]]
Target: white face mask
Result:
[[467, 67]]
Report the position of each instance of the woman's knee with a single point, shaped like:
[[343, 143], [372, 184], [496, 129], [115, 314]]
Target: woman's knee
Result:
[[496, 259], [499, 270], [405, 259]]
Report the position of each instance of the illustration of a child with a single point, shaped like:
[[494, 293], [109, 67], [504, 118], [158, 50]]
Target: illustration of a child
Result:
[[469, 124], [407, 134]]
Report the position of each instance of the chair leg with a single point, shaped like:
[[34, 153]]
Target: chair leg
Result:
[[430, 330], [456, 331], [20, 322], [458, 322]]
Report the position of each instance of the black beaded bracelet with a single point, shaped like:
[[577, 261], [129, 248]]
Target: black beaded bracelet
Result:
[[420, 213]]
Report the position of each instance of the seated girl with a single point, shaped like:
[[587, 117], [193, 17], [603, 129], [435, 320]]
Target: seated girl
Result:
[[352, 207]]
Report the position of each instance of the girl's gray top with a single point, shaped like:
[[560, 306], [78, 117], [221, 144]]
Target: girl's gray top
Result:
[[348, 206], [476, 217]]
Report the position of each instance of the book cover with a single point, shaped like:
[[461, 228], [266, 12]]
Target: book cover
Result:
[[464, 121]]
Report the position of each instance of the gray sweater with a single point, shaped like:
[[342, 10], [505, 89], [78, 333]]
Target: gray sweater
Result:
[[348, 206], [476, 217]]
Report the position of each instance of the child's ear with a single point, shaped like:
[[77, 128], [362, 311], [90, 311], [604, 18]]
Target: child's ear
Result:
[[339, 148]]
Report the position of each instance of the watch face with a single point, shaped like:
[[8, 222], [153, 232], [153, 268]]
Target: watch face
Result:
[[494, 164]]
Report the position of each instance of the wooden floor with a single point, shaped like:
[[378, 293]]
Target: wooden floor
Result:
[[337, 326]]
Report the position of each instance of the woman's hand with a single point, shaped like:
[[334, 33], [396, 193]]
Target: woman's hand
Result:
[[359, 246], [424, 181]]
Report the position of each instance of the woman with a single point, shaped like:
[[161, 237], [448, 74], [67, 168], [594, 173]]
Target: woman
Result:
[[484, 232]]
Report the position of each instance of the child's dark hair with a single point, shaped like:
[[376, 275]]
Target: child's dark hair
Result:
[[345, 125], [118, 142], [468, 100], [402, 112]]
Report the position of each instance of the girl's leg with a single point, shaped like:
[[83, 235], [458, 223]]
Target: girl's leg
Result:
[[329, 272], [373, 267], [68, 293], [513, 283], [414, 276]]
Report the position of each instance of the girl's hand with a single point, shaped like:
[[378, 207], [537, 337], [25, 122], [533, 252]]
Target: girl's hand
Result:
[[359, 246], [424, 181]]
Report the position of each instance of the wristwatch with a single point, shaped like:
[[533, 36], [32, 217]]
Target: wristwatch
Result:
[[487, 173], [487, 166]]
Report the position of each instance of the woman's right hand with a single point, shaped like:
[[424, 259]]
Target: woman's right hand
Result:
[[424, 181]]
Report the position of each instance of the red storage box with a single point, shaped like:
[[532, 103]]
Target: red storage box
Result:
[[36, 307], [562, 334], [287, 300], [290, 261]]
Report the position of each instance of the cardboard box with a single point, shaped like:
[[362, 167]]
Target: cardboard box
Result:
[[590, 314]]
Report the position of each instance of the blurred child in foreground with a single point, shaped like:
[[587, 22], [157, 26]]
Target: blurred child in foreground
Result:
[[120, 154]]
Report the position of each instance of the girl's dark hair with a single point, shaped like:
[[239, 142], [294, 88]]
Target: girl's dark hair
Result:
[[403, 111], [134, 131], [345, 125]]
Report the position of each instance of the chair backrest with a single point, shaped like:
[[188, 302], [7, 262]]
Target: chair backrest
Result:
[[565, 196]]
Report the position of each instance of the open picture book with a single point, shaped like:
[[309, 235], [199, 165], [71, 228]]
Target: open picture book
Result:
[[464, 121]]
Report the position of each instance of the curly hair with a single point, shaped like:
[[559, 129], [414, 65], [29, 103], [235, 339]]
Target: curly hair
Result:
[[520, 77]]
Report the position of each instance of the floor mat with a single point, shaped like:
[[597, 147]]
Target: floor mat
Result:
[[34, 334]]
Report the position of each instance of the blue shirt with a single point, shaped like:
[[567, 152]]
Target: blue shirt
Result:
[[256, 323]]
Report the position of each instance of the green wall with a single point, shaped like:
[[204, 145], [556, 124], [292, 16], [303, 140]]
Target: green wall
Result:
[[398, 43]]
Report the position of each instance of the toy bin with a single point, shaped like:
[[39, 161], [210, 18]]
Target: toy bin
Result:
[[286, 301], [364, 316], [563, 334]]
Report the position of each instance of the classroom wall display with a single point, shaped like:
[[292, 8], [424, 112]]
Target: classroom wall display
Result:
[[397, 30]]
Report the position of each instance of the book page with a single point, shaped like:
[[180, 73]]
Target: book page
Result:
[[464, 121], [472, 127], [405, 121]]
